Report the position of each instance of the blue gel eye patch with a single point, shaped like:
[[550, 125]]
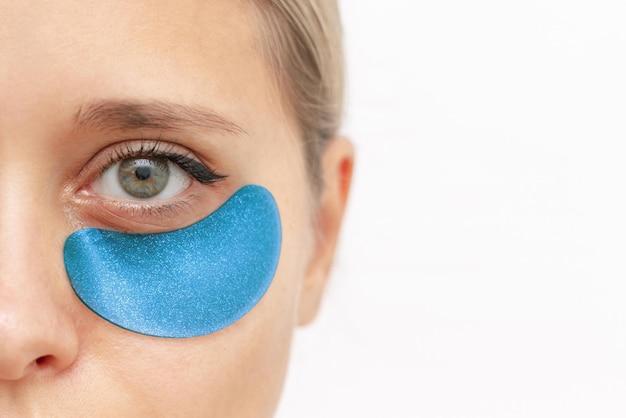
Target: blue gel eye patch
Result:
[[183, 283]]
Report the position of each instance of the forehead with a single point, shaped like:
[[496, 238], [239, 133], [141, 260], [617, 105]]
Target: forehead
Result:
[[173, 26], [186, 50]]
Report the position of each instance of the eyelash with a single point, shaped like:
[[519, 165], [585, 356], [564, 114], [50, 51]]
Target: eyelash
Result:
[[157, 148]]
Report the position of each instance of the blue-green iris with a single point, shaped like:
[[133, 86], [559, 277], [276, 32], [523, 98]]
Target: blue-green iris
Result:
[[144, 177]]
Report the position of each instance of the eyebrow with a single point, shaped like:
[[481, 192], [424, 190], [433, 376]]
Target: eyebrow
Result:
[[113, 115]]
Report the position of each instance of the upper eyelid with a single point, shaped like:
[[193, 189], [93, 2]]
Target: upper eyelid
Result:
[[155, 147], [144, 148]]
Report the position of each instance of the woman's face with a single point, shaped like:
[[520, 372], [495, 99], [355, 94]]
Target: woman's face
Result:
[[81, 83]]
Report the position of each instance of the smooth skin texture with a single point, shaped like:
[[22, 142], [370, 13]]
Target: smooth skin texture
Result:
[[63, 59]]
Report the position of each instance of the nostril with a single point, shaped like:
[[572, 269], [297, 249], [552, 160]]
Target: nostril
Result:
[[43, 360]]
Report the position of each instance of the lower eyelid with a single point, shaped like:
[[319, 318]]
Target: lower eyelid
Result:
[[139, 218], [169, 210]]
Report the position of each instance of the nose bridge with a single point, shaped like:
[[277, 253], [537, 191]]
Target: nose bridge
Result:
[[27, 213], [20, 211], [36, 330]]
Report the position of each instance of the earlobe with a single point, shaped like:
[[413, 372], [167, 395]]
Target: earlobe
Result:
[[337, 167]]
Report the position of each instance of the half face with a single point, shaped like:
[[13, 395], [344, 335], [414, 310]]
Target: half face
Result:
[[180, 90]]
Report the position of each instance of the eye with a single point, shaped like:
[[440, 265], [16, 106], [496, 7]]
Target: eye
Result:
[[150, 173], [142, 178]]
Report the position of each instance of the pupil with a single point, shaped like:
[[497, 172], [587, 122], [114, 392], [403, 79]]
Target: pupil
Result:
[[143, 173]]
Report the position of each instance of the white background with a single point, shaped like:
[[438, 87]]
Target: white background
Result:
[[481, 271]]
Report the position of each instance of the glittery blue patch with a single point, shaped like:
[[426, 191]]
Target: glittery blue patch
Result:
[[183, 283]]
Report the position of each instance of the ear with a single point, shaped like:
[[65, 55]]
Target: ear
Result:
[[337, 164]]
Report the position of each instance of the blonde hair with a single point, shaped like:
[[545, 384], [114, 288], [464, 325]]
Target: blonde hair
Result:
[[302, 40]]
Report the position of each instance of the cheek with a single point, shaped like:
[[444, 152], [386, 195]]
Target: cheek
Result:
[[236, 372]]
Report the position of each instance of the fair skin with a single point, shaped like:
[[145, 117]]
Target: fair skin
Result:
[[197, 59]]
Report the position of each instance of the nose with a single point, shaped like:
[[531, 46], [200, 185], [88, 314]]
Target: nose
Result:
[[37, 331]]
